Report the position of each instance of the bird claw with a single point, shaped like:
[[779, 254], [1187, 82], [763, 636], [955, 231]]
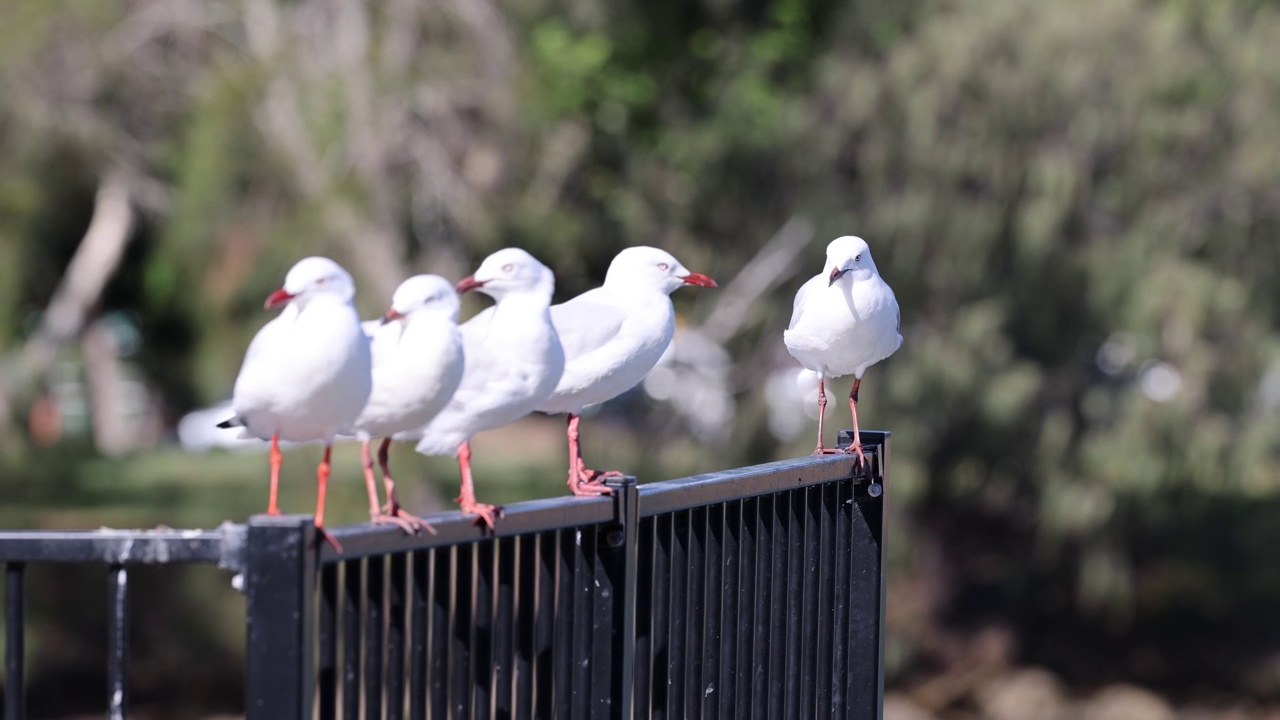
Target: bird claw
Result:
[[484, 512], [322, 534], [589, 488], [410, 523], [857, 450]]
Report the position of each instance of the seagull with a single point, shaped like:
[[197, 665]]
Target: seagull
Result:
[[306, 375], [845, 320], [417, 366], [612, 337], [513, 362]]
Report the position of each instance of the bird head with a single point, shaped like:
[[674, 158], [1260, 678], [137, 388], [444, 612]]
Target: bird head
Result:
[[313, 277], [510, 270], [849, 257], [652, 268], [423, 295]]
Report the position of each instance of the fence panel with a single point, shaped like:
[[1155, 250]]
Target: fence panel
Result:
[[752, 592]]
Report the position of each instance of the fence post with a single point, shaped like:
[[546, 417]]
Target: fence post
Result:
[[615, 608], [866, 621], [279, 583]]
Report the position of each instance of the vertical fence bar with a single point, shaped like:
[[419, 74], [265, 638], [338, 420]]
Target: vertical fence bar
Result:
[[526, 626], [727, 687], [117, 642], [482, 684], [663, 592], [697, 602], [418, 605], [646, 598], [463, 639], [375, 571], [352, 594], [811, 578], [709, 689], [328, 675], [544, 642], [564, 615], [584, 560], [15, 693], [779, 604], [825, 619], [677, 635], [504, 630], [842, 591], [441, 603], [744, 655], [279, 581], [396, 585]]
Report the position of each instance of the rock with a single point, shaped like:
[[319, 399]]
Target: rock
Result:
[[1126, 702], [1023, 695]]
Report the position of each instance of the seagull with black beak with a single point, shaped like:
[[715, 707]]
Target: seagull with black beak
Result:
[[845, 320]]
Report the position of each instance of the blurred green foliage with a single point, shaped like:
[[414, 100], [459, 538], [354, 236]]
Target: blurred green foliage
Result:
[[1078, 204]]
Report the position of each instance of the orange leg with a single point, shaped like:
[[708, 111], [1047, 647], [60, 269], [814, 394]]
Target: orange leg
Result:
[[370, 482], [467, 497], [322, 485], [856, 447], [822, 412], [273, 505], [583, 481], [402, 517]]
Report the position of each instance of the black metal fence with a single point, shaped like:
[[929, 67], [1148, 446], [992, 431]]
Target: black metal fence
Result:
[[753, 592]]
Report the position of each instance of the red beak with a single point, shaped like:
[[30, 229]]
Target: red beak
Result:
[[467, 284], [277, 298], [699, 279], [391, 316]]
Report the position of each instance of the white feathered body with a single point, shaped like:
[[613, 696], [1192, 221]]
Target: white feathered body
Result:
[[513, 362], [611, 339], [306, 375], [417, 366], [845, 327]]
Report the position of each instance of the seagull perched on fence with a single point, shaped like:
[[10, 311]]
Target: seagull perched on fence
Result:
[[845, 320], [612, 337], [513, 362], [417, 366], [306, 375]]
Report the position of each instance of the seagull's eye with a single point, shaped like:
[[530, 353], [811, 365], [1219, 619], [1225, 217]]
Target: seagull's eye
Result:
[[857, 258], [663, 266], [321, 281], [508, 268]]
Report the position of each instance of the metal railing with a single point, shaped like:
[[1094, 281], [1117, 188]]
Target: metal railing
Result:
[[752, 592]]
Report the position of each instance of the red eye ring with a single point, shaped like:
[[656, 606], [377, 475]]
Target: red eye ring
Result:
[[321, 281], [663, 266], [508, 267]]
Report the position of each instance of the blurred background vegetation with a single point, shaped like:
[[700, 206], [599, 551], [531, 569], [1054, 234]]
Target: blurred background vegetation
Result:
[[1077, 203]]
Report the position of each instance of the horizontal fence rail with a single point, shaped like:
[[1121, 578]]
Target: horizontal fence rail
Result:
[[752, 592]]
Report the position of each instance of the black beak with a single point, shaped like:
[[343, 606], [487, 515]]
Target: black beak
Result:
[[835, 275]]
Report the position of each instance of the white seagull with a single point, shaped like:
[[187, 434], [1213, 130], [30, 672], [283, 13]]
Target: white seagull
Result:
[[306, 375], [417, 366], [513, 362], [845, 320], [612, 337]]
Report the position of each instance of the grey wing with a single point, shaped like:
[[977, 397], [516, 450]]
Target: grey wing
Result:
[[585, 324]]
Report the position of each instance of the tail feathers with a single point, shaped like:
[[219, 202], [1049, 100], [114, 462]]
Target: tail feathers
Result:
[[231, 422]]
